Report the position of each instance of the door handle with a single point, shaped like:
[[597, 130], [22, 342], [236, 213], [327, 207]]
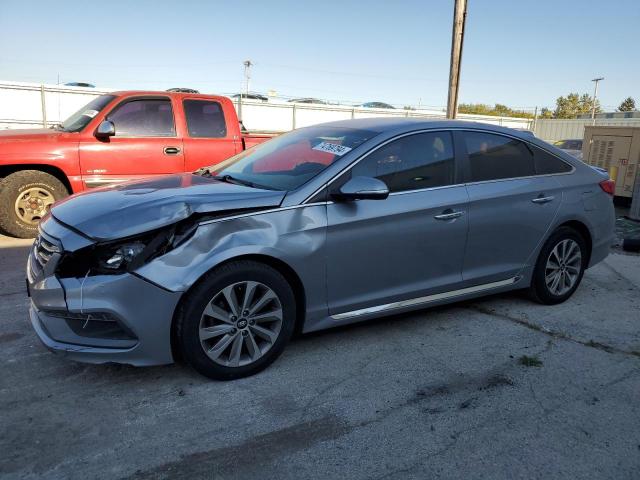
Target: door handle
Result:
[[449, 215], [542, 199], [171, 150]]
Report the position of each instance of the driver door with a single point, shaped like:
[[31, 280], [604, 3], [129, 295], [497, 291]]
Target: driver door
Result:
[[145, 144], [409, 245]]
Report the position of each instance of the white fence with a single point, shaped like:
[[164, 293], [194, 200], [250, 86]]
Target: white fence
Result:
[[552, 130], [30, 105]]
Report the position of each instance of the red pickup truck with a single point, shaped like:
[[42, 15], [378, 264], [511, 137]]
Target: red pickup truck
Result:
[[115, 137]]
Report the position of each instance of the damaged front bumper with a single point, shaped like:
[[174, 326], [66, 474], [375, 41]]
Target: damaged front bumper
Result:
[[97, 319]]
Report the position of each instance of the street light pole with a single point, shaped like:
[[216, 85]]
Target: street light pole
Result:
[[457, 38], [595, 96], [247, 75]]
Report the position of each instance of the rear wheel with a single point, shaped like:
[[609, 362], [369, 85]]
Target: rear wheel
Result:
[[25, 197], [560, 267], [236, 321]]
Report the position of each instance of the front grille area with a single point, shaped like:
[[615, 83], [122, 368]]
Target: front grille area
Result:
[[44, 250], [45, 255]]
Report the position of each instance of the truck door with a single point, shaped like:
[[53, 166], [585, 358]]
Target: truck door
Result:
[[145, 144], [208, 139]]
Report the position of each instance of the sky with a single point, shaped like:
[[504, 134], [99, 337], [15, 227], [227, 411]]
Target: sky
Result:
[[522, 53]]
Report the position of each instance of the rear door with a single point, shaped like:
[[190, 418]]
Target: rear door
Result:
[[145, 144], [208, 140], [513, 199], [408, 245]]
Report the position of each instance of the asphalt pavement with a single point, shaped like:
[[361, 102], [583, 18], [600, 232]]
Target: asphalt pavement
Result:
[[494, 388]]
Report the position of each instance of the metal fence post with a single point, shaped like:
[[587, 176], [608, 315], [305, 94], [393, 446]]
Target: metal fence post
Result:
[[353, 112], [44, 106], [293, 119]]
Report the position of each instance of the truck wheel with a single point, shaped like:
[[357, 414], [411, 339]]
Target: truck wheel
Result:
[[25, 197]]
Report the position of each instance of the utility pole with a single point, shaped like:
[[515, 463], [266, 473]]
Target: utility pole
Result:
[[247, 75], [457, 38], [595, 96]]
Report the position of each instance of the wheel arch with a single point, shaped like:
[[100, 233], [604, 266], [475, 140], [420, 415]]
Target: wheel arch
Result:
[[6, 170], [277, 264], [584, 232]]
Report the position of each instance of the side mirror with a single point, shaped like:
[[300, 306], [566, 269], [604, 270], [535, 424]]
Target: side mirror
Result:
[[105, 129], [362, 188]]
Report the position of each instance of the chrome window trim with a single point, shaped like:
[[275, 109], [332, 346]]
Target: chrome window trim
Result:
[[451, 130], [388, 307]]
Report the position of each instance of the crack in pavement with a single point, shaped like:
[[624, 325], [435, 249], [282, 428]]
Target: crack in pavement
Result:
[[623, 277], [552, 333]]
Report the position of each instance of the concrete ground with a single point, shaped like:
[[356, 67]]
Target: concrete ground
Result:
[[441, 393]]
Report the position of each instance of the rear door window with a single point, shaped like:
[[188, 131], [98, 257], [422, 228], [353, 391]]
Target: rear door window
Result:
[[496, 157], [144, 118], [205, 119], [547, 164]]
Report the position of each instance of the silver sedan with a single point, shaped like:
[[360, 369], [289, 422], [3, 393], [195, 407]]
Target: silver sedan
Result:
[[320, 227]]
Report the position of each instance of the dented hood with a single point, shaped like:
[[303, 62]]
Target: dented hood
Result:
[[130, 208]]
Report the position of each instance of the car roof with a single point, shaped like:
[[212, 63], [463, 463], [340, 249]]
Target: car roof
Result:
[[163, 93], [400, 124]]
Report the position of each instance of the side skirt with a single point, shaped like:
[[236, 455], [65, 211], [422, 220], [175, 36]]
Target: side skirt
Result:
[[420, 301]]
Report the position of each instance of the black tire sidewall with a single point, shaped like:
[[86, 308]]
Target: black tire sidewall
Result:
[[540, 290], [12, 187], [188, 320]]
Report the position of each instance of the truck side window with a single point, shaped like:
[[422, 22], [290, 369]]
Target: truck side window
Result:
[[205, 119], [144, 118]]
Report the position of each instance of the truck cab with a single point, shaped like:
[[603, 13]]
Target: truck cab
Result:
[[116, 137]]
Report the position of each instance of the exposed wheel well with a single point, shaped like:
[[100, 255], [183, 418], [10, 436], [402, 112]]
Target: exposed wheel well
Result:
[[582, 229], [55, 171], [285, 270]]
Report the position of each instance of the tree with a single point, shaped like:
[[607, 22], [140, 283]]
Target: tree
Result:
[[546, 113], [497, 110], [573, 105], [627, 105]]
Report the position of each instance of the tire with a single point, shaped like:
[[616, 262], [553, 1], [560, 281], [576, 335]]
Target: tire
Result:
[[551, 285], [206, 304], [16, 191]]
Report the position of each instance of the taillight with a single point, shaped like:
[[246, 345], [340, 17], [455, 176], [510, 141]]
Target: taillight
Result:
[[609, 186]]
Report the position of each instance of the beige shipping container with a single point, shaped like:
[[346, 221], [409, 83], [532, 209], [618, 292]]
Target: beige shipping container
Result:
[[617, 150]]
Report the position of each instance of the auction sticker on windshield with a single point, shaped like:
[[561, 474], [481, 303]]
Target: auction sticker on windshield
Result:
[[332, 148], [90, 113]]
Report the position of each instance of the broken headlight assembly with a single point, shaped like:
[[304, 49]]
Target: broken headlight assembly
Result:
[[124, 255]]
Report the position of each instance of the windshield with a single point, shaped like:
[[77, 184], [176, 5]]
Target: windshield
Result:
[[82, 117], [292, 159]]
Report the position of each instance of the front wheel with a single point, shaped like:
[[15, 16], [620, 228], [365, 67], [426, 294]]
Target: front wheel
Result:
[[25, 197], [236, 321], [560, 267]]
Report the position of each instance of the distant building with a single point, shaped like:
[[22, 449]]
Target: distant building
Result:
[[634, 114]]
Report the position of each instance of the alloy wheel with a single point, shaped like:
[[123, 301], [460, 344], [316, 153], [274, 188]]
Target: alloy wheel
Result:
[[563, 267], [240, 324]]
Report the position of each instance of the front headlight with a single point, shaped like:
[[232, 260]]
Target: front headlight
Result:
[[124, 255]]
